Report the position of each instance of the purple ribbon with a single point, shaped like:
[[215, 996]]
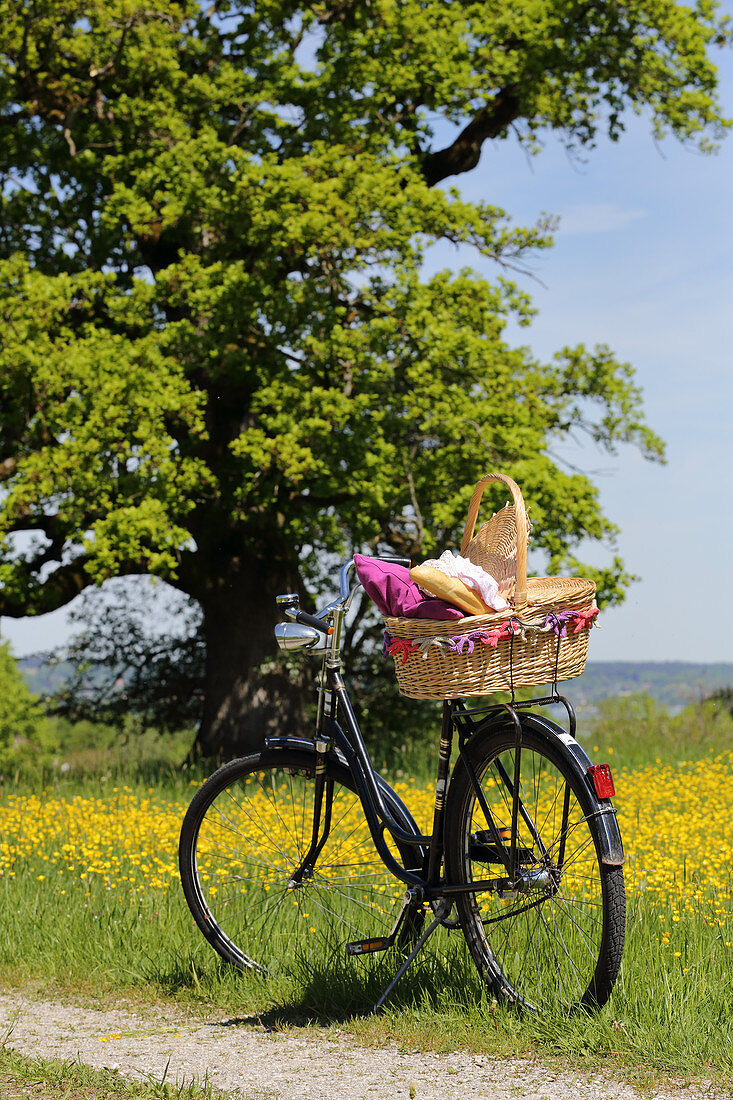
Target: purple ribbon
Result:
[[558, 621]]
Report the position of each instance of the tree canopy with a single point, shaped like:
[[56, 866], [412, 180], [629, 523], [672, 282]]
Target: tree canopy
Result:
[[223, 354]]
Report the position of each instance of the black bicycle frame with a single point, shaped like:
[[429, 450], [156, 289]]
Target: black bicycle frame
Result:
[[378, 816]]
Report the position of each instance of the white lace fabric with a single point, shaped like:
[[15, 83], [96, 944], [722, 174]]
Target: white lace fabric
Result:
[[473, 576]]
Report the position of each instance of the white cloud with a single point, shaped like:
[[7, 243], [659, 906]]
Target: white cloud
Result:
[[597, 217]]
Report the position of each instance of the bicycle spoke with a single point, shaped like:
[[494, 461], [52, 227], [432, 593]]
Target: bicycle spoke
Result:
[[249, 832]]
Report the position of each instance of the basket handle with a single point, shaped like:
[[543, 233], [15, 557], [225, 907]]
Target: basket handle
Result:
[[520, 518]]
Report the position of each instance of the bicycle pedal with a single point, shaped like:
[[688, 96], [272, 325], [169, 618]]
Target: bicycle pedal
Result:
[[367, 947]]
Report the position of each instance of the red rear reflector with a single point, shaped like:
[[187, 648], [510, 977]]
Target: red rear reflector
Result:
[[602, 780]]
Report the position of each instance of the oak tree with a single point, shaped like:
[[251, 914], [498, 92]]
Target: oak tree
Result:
[[223, 354]]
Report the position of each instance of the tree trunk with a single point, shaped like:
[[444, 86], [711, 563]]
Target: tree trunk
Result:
[[251, 691]]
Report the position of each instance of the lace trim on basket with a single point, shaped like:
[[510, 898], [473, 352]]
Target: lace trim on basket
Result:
[[555, 622]]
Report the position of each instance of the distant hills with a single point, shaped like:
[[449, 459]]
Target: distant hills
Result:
[[44, 675], [673, 683]]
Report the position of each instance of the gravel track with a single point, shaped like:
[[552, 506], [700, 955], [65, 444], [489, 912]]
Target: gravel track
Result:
[[241, 1057]]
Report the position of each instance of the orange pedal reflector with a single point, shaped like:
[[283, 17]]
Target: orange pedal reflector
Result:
[[364, 947]]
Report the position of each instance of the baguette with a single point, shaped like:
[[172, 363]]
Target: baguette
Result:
[[450, 589]]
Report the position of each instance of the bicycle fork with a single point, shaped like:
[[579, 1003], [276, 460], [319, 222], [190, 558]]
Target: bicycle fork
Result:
[[414, 901], [323, 791]]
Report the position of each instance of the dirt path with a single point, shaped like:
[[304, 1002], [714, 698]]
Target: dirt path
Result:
[[241, 1057]]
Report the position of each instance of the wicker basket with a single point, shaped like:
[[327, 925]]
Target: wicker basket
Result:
[[542, 639]]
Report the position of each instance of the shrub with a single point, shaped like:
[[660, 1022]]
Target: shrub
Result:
[[24, 729]]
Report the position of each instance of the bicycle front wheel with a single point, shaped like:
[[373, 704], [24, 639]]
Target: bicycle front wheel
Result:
[[242, 842], [554, 942]]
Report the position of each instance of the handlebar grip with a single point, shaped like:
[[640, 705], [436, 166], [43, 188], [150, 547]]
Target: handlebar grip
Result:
[[310, 620], [396, 561]]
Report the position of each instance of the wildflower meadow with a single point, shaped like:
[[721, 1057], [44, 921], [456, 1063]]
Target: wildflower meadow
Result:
[[91, 898]]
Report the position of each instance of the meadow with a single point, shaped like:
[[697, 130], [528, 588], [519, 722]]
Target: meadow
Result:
[[92, 904]]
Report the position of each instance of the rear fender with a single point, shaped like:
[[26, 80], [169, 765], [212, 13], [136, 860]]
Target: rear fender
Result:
[[612, 849], [578, 762]]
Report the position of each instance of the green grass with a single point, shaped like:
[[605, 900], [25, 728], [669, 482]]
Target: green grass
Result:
[[51, 1079], [67, 753], [635, 730], [671, 1013], [669, 1022]]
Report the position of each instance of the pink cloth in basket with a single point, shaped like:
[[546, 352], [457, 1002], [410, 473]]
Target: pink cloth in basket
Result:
[[395, 594]]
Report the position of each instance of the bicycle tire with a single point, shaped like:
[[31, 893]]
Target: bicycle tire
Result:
[[556, 945], [245, 832]]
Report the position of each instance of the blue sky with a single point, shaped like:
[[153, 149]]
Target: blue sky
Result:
[[643, 262]]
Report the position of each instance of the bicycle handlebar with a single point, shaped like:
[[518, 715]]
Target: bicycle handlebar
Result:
[[310, 620], [320, 620]]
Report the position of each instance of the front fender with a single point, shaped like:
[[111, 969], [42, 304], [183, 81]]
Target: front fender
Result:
[[302, 744], [394, 803]]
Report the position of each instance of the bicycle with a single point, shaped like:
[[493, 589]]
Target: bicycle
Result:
[[302, 846]]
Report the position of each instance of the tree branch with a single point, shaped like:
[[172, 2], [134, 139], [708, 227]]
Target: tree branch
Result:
[[14, 118], [64, 584], [8, 466], [464, 153], [49, 525]]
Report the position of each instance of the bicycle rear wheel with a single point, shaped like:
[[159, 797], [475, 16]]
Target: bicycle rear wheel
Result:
[[244, 835], [555, 942]]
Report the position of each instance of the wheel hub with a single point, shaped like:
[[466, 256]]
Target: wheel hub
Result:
[[300, 878], [534, 880], [537, 879]]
